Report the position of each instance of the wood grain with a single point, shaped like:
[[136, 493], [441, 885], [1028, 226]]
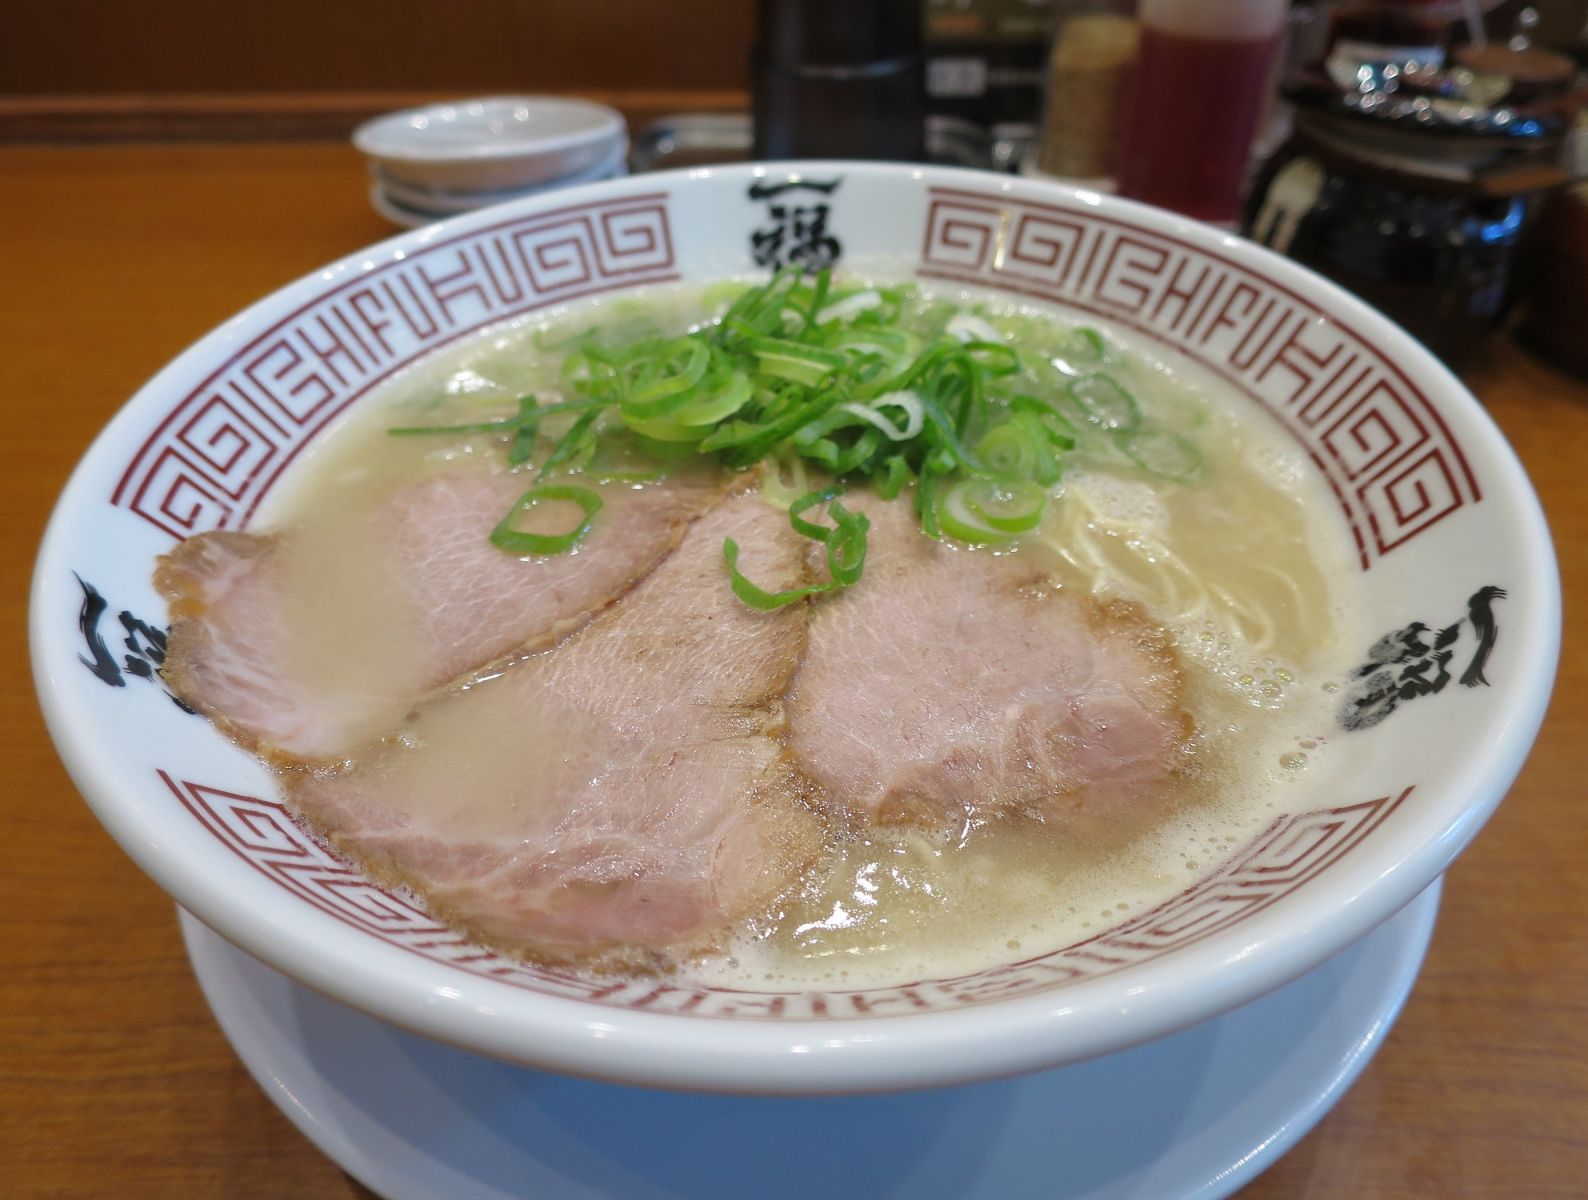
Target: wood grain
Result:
[[114, 1080], [277, 116], [183, 46]]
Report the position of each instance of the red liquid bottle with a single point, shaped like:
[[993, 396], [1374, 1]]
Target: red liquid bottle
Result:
[[1200, 84]]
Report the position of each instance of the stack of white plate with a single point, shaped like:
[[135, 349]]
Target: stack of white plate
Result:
[[443, 159]]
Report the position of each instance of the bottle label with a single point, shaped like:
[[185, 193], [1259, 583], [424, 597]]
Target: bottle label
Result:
[[956, 77]]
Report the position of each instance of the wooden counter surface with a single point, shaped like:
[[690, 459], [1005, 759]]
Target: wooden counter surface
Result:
[[114, 1079]]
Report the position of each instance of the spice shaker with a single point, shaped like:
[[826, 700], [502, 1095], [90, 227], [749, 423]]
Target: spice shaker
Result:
[[1088, 76]]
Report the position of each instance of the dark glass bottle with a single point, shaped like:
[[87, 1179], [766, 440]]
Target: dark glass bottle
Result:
[[1439, 255], [839, 79]]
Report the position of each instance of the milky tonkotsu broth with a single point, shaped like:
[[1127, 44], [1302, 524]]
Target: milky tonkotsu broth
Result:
[[1242, 567]]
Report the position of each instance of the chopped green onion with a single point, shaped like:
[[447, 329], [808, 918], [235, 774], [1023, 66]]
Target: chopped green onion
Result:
[[757, 597], [907, 402], [926, 500], [1102, 401], [869, 384], [516, 541], [652, 383], [846, 545], [667, 452], [810, 529], [845, 540], [748, 443], [574, 446], [712, 409], [851, 305], [964, 522], [1008, 505], [891, 477], [1055, 427], [781, 492], [818, 297], [664, 429], [869, 341], [968, 327], [1083, 345], [1163, 454], [994, 357], [522, 448], [1010, 450], [785, 359]]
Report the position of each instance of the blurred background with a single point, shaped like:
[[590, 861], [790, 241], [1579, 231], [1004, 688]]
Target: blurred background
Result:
[[1424, 153], [162, 164], [113, 68]]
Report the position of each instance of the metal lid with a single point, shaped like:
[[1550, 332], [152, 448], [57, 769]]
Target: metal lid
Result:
[[1455, 102]]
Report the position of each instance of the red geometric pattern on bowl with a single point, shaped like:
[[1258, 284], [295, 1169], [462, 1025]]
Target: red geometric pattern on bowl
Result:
[[1395, 469], [1393, 465], [1293, 849], [219, 450]]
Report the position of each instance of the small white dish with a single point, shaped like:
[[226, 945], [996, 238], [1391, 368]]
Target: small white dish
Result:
[[398, 213], [449, 201], [1189, 1117], [394, 204], [491, 142]]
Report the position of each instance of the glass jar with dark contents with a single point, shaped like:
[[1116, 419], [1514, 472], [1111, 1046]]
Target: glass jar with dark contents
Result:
[[1421, 206]]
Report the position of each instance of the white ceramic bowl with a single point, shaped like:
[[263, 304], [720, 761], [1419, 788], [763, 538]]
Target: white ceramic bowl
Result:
[[1435, 500], [490, 143], [442, 202]]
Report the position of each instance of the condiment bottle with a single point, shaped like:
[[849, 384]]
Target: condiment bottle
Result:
[[1202, 78], [1088, 80], [1400, 216], [839, 79]]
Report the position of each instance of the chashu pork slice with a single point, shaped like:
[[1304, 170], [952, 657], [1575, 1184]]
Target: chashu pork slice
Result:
[[305, 643], [622, 791], [953, 685]]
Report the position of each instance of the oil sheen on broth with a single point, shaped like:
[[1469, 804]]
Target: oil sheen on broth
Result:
[[1241, 568]]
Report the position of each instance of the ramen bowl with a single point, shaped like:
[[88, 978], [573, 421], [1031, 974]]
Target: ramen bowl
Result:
[[1446, 531]]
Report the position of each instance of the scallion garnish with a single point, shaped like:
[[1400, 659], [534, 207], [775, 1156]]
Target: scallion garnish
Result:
[[518, 541], [810, 500], [844, 539], [1102, 401], [981, 511], [865, 384], [1162, 453], [757, 597]]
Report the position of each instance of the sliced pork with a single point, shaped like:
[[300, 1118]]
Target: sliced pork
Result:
[[952, 685], [303, 644], [624, 790]]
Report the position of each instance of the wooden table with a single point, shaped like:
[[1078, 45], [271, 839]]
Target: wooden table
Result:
[[114, 1079]]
